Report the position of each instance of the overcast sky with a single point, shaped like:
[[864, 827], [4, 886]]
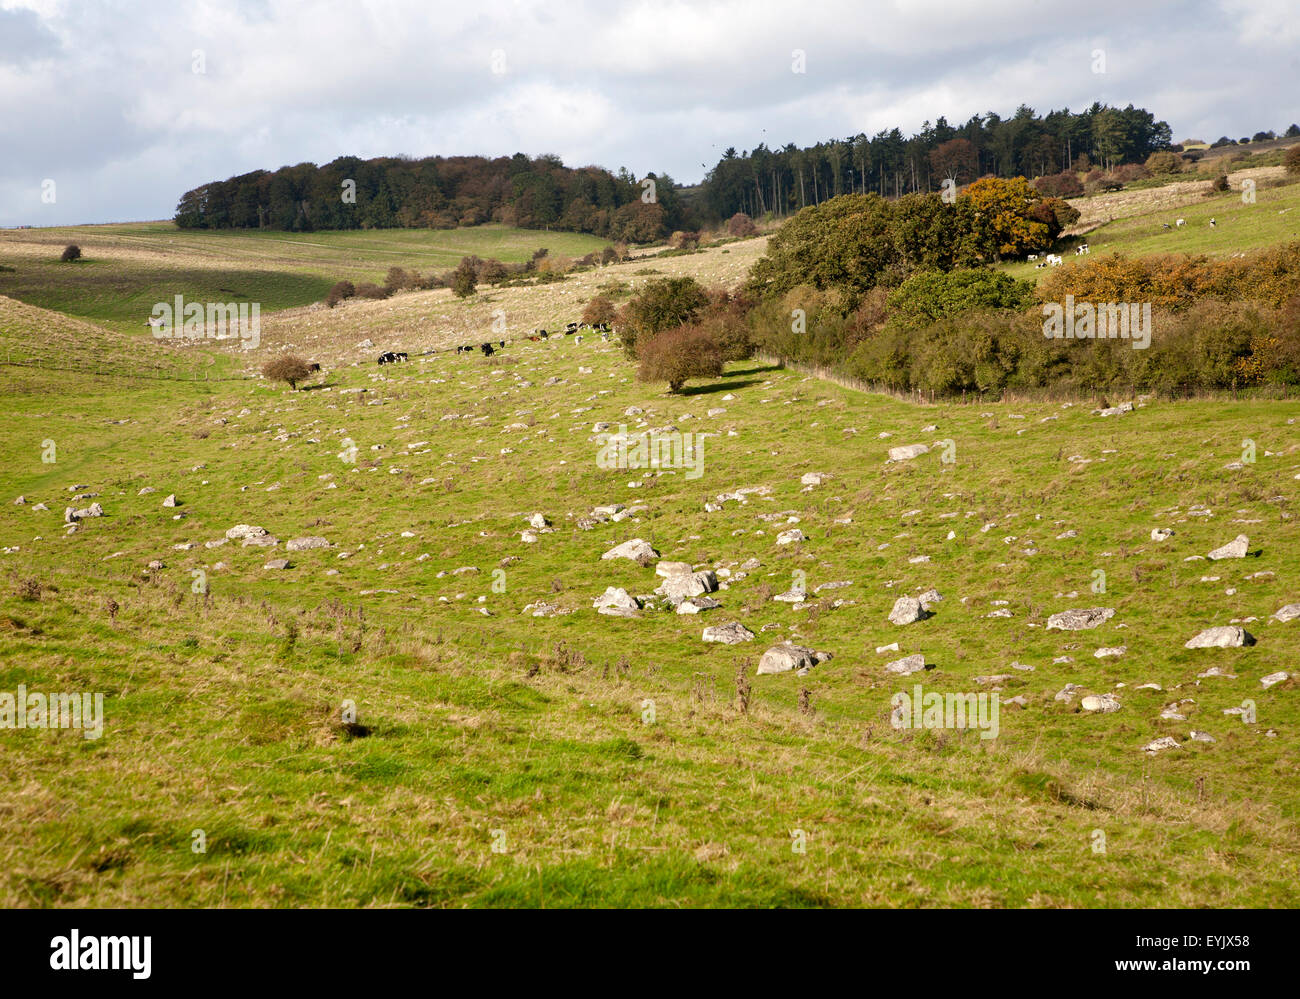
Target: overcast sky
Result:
[[127, 105]]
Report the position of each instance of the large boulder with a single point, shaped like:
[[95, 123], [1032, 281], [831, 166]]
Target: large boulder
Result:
[[908, 451], [783, 658], [906, 610], [1236, 548], [1228, 636], [1080, 619], [791, 536], [731, 633], [685, 585]]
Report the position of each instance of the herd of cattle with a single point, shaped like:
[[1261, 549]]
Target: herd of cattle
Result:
[[489, 348]]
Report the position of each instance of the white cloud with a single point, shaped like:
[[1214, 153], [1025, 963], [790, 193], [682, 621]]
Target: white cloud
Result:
[[104, 96]]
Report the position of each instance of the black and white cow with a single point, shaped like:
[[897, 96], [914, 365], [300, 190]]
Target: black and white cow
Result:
[[392, 357]]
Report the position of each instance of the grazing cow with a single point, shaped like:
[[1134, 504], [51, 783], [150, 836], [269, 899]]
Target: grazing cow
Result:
[[545, 335], [570, 328], [1033, 256], [313, 367], [1180, 223], [388, 357], [487, 349], [1053, 260]]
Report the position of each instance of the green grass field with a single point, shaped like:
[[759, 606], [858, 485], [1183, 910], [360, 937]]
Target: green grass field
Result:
[[509, 760], [127, 268], [496, 758]]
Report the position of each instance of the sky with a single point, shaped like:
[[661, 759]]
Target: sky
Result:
[[110, 111]]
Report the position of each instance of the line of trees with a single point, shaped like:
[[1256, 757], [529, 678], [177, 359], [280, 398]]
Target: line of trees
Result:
[[783, 180], [439, 193]]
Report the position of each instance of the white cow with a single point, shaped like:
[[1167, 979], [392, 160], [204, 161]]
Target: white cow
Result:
[[1180, 223]]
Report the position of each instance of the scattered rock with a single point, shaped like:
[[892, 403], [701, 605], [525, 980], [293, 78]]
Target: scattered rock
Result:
[[693, 605], [731, 633], [305, 544], [1228, 636], [783, 658], [1236, 548], [1080, 619], [907, 452], [1100, 703], [684, 585], [636, 550], [245, 531], [617, 602], [907, 665], [906, 610]]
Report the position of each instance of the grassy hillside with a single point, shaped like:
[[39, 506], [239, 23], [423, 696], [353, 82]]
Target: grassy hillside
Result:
[[127, 268], [533, 734], [1138, 218]]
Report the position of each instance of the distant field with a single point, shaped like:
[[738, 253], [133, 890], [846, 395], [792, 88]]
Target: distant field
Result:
[[1274, 217], [129, 267]]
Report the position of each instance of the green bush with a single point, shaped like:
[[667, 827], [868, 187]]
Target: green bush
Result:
[[661, 305], [932, 295], [464, 279]]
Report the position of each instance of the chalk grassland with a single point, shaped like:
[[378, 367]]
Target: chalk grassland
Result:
[[129, 267], [224, 711], [437, 320]]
